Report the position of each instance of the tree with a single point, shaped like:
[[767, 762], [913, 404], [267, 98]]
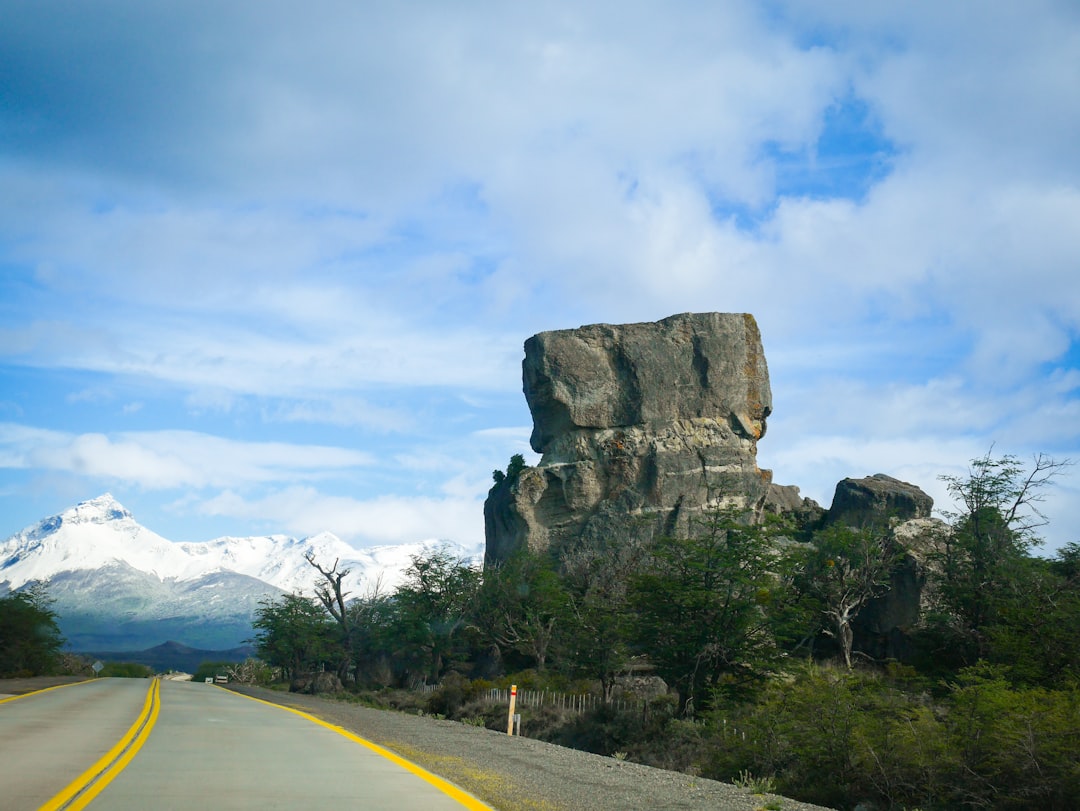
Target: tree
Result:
[[985, 554], [1035, 632], [433, 605], [597, 579], [522, 606], [513, 470], [845, 569], [30, 640], [330, 594], [295, 634], [698, 606], [373, 621]]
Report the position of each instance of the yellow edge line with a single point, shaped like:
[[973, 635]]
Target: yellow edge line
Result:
[[445, 787], [90, 783], [44, 690]]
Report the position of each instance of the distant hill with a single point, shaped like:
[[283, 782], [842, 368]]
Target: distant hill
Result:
[[174, 656], [120, 587]]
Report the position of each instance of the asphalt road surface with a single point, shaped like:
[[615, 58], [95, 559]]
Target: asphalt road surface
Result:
[[195, 746]]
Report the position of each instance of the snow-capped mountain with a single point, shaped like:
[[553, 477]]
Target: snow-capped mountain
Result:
[[118, 585]]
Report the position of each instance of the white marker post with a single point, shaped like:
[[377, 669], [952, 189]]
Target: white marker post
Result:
[[510, 718]]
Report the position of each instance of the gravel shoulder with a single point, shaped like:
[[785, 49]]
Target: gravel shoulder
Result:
[[18, 687], [522, 774]]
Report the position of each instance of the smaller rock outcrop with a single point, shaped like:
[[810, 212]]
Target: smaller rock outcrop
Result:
[[882, 629], [785, 499], [876, 500]]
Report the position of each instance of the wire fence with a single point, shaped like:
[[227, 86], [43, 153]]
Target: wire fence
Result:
[[582, 702], [572, 702]]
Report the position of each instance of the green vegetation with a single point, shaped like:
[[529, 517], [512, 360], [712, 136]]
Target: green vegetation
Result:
[[513, 470], [699, 608], [295, 635], [30, 640], [126, 670], [754, 627]]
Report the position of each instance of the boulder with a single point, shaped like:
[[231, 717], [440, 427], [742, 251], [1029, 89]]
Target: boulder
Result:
[[883, 628], [640, 427], [316, 683], [877, 499]]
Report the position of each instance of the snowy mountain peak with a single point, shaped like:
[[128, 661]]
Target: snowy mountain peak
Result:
[[100, 510], [96, 511], [101, 533], [114, 579]]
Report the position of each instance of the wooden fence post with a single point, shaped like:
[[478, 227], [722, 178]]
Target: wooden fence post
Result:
[[510, 717]]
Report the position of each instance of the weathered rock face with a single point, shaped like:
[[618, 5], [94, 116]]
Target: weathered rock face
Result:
[[641, 426], [785, 499]]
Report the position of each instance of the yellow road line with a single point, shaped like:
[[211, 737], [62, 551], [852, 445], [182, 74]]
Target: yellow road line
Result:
[[445, 787], [90, 783], [44, 690]]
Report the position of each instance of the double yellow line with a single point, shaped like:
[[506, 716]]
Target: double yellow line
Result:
[[447, 788], [91, 782]]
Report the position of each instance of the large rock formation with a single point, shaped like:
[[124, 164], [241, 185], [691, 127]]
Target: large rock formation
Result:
[[641, 427]]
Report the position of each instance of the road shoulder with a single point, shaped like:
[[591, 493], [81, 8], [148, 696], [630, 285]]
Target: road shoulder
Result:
[[521, 774]]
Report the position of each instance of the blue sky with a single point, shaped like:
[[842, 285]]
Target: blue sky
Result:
[[268, 267]]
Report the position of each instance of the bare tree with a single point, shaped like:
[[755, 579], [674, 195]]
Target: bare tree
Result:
[[983, 555], [329, 589], [850, 567], [330, 593]]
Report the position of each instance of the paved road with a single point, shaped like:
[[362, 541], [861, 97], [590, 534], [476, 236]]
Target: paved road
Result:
[[48, 739], [207, 748]]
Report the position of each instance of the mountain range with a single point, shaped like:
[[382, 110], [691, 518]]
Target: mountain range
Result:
[[119, 586]]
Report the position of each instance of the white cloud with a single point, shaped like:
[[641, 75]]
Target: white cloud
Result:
[[382, 520], [353, 215], [170, 459]]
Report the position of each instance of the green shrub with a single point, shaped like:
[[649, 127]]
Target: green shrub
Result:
[[126, 670], [448, 698]]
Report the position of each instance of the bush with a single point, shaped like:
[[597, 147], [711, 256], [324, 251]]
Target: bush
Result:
[[448, 698], [838, 738], [1018, 748], [126, 670], [676, 746], [602, 731]]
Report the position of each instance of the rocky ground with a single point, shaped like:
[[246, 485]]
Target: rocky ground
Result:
[[521, 774]]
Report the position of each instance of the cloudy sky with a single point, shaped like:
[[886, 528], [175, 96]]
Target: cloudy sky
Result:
[[268, 266]]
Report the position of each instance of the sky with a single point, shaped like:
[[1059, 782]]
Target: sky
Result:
[[267, 267]]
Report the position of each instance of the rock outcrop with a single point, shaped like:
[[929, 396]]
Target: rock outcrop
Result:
[[883, 627], [786, 500], [640, 427], [877, 499]]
